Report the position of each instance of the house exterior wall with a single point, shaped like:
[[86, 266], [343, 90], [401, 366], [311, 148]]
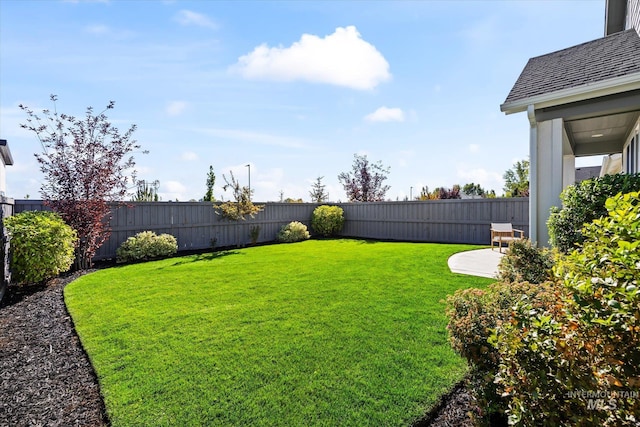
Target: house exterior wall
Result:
[[3, 177], [631, 151], [633, 15]]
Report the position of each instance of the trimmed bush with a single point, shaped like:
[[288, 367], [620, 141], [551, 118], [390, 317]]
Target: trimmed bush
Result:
[[146, 245], [581, 204], [42, 246], [575, 360], [524, 262], [327, 220], [293, 232]]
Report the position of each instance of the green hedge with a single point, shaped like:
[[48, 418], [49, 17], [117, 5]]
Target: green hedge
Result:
[[146, 245], [582, 203], [327, 220], [42, 246], [293, 232]]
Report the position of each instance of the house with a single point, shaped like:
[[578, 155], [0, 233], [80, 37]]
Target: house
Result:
[[580, 101], [5, 160]]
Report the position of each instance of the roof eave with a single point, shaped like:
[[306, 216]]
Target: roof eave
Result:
[[573, 94], [5, 153]]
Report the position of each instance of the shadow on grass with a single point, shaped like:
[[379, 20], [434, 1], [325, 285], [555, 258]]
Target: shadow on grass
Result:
[[346, 239], [209, 256]]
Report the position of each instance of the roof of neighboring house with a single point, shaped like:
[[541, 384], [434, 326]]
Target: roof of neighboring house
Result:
[[613, 56], [587, 172]]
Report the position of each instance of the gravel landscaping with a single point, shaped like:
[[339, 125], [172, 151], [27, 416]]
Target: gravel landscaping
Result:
[[46, 378]]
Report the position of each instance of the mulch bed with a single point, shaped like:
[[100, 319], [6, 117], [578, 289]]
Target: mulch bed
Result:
[[46, 378]]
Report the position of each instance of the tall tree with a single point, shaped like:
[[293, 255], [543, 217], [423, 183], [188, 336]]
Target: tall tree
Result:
[[473, 190], [516, 180], [87, 163], [318, 193], [439, 193], [365, 182], [211, 181], [443, 193]]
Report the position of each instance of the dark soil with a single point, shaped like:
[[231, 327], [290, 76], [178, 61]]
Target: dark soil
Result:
[[46, 378]]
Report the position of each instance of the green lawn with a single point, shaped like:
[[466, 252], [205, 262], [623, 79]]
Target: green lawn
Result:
[[323, 332]]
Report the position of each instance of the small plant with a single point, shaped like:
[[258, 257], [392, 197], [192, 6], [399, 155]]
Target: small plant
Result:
[[42, 245], [293, 232], [254, 234], [145, 246], [524, 262], [327, 220]]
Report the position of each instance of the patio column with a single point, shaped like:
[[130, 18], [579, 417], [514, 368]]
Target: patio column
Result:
[[546, 174], [568, 170]]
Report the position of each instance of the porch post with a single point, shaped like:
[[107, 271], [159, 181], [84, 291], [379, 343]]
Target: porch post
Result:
[[533, 174], [548, 174]]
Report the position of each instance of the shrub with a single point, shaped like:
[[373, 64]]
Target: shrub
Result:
[[582, 203], [327, 220], [586, 337], [146, 245], [42, 246], [293, 232], [473, 315], [531, 377], [254, 233], [524, 262]]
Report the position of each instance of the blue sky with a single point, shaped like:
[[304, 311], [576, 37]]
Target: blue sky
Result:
[[294, 89]]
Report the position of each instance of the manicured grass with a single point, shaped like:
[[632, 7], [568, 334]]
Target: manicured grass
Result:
[[323, 332]]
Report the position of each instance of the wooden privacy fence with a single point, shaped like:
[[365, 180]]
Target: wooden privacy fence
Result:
[[196, 225]]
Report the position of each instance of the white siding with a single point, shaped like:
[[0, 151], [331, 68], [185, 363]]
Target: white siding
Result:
[[633, 15]]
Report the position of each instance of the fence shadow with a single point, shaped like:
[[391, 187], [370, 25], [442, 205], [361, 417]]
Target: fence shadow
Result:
[[209, 256]]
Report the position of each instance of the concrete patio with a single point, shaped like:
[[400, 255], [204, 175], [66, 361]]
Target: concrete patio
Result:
[[480, 262]]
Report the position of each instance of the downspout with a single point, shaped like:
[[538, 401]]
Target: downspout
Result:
[[533, 175]]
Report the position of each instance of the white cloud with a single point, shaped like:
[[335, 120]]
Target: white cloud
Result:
[[342, 58], [474, 148], [175, 187], [106, 31], [172, 190], [189, 156], [384, 114], [175, 108], [487, 179], [187, 17]]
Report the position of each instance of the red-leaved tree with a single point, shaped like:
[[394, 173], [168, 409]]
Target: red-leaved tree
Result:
[[365, 182], [87, 164]]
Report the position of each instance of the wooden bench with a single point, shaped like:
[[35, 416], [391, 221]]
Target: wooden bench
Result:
[[503, 232]]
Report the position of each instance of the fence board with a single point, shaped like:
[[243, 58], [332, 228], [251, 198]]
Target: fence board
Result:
[[195, 224]]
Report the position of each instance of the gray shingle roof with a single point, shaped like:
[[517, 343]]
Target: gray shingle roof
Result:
[[616, 55]]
